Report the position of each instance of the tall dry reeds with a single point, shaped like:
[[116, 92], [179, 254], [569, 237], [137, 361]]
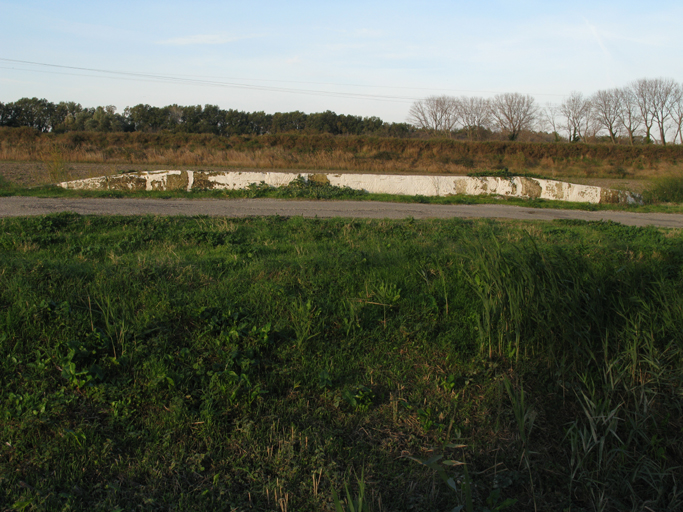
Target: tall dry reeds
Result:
[[361, 154]]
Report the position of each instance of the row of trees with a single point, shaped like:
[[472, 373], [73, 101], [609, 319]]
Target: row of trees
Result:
[[45, 116], [644, 111], [446, 115]]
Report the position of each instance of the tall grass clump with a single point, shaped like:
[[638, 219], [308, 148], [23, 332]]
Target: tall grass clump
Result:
[[610, 333], [58, 171], [621, 452], [537, 303], [551, 303], [667, 189], [6, 187]]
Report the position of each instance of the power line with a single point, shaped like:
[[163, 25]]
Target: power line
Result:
[[218, 82], [475, 91], [124, 75]]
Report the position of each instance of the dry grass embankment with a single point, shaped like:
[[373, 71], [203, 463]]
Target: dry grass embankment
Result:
[[60, 152]]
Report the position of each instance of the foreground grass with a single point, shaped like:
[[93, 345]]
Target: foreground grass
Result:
[[260, 364]]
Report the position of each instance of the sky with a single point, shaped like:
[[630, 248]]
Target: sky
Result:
[[367, 58]]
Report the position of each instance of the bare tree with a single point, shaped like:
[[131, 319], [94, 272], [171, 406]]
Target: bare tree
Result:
[[642, 89], [677, 112], [630, 117], [607, 111], [591, 127], [577, 114], [663, 94], [548, 120], [475, 113], [513, 113], [438, 114]]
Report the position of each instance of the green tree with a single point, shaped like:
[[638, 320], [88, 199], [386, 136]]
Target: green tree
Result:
[[104, 119], [145, 118], [64, 116], [259, 122], [324, 122], [237, 122], [31, 112], [284, 122]]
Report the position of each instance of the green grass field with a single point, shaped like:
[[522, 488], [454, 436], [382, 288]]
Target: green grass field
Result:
[[269, 364]]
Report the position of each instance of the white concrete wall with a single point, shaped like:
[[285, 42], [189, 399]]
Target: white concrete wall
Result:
[[373, 183], [242, 180], [446, 185]]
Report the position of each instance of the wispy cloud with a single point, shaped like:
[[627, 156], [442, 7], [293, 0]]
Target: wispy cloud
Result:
[[598, 39], [201, 39]]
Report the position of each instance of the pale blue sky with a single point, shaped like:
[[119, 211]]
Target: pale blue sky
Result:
[[392, 52]]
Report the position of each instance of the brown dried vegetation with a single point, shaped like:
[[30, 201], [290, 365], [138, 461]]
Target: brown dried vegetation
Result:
[[350, 153]]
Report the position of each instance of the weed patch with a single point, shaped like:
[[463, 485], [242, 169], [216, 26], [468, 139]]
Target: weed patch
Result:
[[665, 190], [292, 364]]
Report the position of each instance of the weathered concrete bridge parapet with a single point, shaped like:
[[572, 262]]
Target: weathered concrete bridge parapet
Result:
[[516, 186]]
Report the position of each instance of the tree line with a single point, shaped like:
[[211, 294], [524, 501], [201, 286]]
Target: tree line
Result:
[[644, 111], [45, 116]]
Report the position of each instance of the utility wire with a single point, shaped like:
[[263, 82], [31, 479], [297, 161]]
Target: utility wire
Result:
[[219, 82], [123, 75]]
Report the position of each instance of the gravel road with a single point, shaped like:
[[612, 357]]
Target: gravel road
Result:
[[21, 206]]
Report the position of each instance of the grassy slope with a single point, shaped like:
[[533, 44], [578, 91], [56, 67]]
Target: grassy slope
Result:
[[251, 364], [352, 153]]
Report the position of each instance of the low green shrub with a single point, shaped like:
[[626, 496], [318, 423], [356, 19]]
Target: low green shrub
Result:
[[668, 189]]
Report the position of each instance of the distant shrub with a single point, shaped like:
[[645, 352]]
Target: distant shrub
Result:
[[667, 189], [386, 155]]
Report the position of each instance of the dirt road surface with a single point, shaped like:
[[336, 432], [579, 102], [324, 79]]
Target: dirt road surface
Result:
[[21, 206]]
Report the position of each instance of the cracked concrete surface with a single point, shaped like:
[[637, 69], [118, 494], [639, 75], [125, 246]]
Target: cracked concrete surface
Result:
[[515, 186]]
